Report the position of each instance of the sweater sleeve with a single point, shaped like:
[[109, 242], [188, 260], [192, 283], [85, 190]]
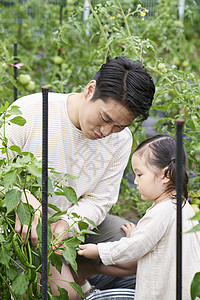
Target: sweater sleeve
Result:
[[150, 229], [97, 202]]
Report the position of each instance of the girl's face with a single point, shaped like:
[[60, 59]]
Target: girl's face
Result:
[[151, 185]]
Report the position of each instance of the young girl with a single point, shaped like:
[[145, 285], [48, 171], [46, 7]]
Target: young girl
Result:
[[153, 241]]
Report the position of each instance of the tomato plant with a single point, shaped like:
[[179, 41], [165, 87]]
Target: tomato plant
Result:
[[20, 262]]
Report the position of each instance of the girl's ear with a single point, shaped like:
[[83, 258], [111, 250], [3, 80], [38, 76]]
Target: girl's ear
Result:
[[90, 89], [165, 178]]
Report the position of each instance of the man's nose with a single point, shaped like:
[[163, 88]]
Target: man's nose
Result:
[[106, 129]]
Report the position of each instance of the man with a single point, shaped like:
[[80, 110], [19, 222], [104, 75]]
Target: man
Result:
[[88, 138]]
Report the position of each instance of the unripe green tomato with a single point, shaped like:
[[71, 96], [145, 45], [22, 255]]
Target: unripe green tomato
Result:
[[161, 66], [164, 70], [70, 7], [185, 63], [24, 79], [69, 72], [30, 86], [57, 60], [70, 2], [64, 66], [176, 61]]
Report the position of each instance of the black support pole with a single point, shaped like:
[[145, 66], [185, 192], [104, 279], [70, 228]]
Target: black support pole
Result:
[[179, 190], [45, 194], [15, 70]]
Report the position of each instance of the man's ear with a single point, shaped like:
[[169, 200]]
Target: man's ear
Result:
[[90, 89], [165, 178]]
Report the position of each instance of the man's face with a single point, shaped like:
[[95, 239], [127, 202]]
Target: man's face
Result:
[[99, 119]]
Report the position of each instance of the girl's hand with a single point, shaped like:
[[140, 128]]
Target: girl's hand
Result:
[[128, 228], [89, 251]]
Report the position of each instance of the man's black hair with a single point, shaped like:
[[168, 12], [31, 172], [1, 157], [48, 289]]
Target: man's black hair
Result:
[[126, 82]]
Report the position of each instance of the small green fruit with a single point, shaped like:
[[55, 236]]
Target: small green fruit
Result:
[[69, 72], [64, 66], [185, 63], [57, 60], [176, 61], [30, 86], [24, 79], [161, 66]]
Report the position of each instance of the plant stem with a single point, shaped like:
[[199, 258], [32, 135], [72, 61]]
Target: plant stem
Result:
[[8, 286], [167, 78], [18, 265], [125, 19], [97, 18], [126, 24]]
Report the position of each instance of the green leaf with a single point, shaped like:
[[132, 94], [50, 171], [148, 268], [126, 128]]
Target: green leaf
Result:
[[82, 225], [34, 170], [5, 254], [12, 272], [195, 286], [72, 242], [195, 228], [69, 253], [1, 238], [12, 199], [85, 231], [63, 294], [20, 284], [56, 261], [24, 213], [9, 178], [197, 147], [91, 222], [15, 148], [18, 120], [54, 207], [196, 216], [81, 238], [77, 288], [14, 110], [68, 176], [70, 194], [50, 185]]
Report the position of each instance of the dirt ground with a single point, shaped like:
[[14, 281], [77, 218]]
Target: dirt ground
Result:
[[131, 215]]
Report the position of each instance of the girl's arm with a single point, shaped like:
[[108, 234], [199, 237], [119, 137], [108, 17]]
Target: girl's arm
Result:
[[91, 250]]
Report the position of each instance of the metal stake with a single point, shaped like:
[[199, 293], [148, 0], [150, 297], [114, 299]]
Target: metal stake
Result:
[[179, 189], [15, 70], [45, 194]]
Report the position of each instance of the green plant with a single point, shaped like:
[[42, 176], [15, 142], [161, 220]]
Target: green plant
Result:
[[20, 263]]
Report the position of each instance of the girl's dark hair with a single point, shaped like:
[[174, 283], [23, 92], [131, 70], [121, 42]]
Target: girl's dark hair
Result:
[[161, 154], [126, 82]]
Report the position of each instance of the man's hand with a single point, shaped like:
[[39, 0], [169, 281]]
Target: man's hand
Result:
[[23, 230], [89, 251], [60, 233]]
